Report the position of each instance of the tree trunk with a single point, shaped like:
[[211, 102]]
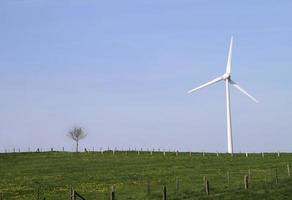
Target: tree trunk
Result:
[[77, 145]]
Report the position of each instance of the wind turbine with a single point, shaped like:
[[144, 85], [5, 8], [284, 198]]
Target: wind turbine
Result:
[[226, 77]]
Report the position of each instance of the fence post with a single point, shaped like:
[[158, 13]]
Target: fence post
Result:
[[164, 195], [190, 154], [246, 154], [249, 174], [177, 184], [263, 154], [206, 185], [288, 170], [148, 188], [38, 191], [276, 176], [245, 182], [113, 195], [72, 195]]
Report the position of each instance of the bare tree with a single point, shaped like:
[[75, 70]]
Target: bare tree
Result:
[[77, 133]]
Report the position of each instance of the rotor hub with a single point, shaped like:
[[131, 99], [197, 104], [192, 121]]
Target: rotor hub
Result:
[[226, 76]]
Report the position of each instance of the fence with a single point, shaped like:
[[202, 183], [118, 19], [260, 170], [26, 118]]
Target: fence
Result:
[[206, 183], [75, 195], [126, 150], [164, 195], [208, 186]]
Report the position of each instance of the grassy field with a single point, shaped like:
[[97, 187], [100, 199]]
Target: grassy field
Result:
[[29, 176]]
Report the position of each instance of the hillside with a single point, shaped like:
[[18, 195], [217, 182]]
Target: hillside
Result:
[[30, 176]]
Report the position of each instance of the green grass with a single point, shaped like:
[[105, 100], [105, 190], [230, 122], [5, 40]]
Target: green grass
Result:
[[26, 175]]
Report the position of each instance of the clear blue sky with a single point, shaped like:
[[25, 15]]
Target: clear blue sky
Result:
[[121, 70]]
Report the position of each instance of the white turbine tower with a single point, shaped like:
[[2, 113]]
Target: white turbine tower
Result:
[[227, 78]]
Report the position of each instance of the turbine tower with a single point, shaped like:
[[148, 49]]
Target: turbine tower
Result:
[[226, 77]]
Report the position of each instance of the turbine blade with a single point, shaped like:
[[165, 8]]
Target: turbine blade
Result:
[[206, 84], [243, 91], [228, 67]]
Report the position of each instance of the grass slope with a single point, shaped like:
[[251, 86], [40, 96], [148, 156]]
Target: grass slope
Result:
[[29, 176]]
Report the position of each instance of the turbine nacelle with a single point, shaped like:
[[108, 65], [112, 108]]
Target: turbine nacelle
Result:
[[226, 76]]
